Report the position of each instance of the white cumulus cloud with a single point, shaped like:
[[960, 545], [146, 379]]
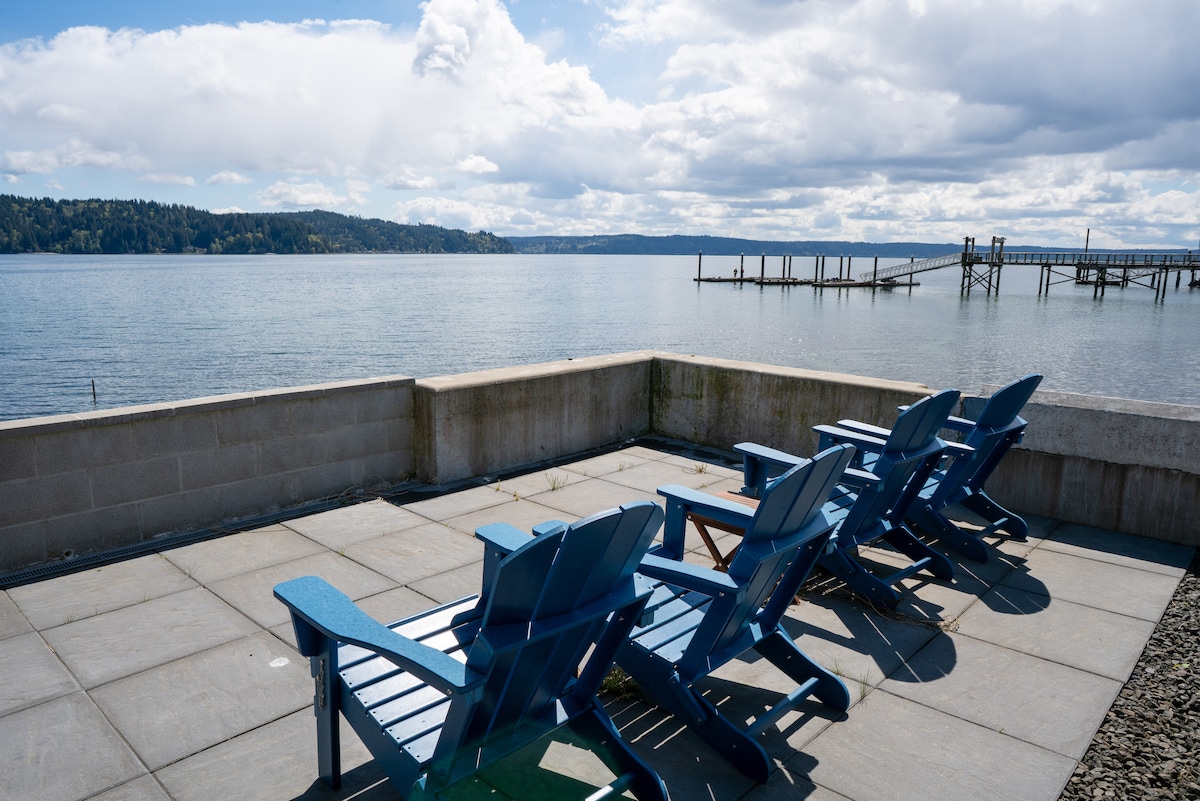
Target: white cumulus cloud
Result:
[[229, 178], [825, 118]]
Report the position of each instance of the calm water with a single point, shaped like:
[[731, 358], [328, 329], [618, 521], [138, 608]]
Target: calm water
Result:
[[150, 329]]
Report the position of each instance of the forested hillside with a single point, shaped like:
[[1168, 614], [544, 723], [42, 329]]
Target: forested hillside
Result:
[[721, 246], [32, 225]]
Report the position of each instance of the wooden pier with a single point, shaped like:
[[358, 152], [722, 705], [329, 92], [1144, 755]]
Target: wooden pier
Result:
[[982, 269], [818, 280]]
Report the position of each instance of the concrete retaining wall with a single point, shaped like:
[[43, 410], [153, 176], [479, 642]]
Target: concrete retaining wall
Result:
[[718, 402], [80, 483], [480, 423], [1124, 465], [90, 482]]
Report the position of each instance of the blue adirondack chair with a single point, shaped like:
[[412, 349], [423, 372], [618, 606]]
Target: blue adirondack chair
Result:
[[441, 695], [959, 479], [703, 618], [871, 505]]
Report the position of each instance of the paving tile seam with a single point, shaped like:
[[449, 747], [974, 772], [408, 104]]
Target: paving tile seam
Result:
[[119, 785], [372, 570], [1054, 661], [307, 706], [124, 740], [979, 725], [1155, 620], [193, 655], [1133, 563], [97, 613]]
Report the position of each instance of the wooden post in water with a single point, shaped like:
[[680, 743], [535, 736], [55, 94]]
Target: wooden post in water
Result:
[[742, 267], [762, 268], [875, 270], [699, 261]]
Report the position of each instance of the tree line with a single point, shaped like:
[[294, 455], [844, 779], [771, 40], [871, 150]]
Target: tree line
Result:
[[44, 225]]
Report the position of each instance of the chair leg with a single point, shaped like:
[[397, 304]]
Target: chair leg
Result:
[[326, 703], [907, 543], [596, 727], [949, 534], [782, 652], [689, 707], [875, 590], [738, 748]]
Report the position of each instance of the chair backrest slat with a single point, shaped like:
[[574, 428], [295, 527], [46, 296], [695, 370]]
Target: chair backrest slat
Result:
[[551, 577], [787, 519]]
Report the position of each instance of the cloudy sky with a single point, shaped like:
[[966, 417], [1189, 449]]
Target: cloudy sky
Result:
[[875, 120]]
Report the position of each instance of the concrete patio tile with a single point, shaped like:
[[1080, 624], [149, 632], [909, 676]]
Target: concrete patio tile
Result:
[[453, 504], [588, 497], [93, 592], [649, 476], [252, 593], [101, 649], [537, 482], [1058, 707], [606, 463], [32, 674], [451, 585], [181, 708], [402, 602], [1095, 640], [904, 751], [523, 514], [337, 528], [1078, 579], [935, 600], [143, 788], [851, 640], [790, 785], [417, 553], [703, 466], [62, 750], [231, 555], [688, 767], [1121, 549], [12, 621], [272, 762]]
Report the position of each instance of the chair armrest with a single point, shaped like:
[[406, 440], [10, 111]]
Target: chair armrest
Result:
[[756, 463], [318, 608], [957, 449], [682, 501], [865, 428], [859, 479], [835, 435], [711, 506], [501, 539], [689, 576], [960, 424]]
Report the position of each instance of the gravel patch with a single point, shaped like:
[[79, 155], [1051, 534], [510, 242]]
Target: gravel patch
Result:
[[1148, 746]]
